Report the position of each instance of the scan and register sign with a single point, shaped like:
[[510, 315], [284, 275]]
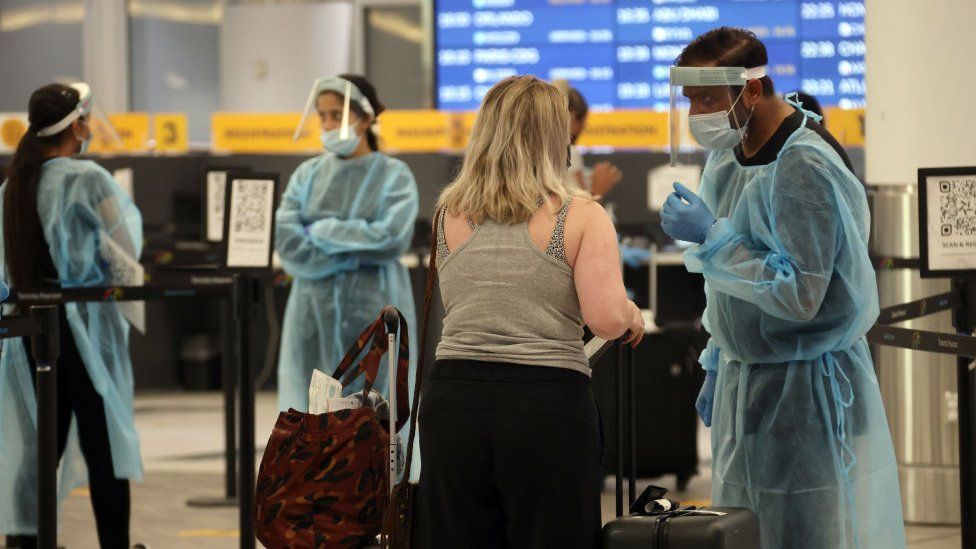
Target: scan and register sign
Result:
[[947, 204]]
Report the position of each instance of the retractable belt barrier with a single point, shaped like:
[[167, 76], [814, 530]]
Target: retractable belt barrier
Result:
[[962, 302], [42, 319], [920, 340], [206, 286]]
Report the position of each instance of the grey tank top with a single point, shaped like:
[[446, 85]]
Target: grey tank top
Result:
[[508, 301]]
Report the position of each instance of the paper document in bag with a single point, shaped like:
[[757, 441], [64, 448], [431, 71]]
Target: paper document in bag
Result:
[[345, 403], [322, 389], [123, 270]]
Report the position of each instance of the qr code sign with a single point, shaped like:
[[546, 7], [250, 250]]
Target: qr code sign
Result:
[[250, 206], [957, 203]]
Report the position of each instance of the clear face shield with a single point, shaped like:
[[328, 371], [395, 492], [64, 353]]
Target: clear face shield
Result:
[[332, 114], [101, 132], [706, 109]]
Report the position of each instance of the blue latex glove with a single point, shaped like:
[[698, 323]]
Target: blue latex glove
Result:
[[685, 216], [706, 398], [634, 257]]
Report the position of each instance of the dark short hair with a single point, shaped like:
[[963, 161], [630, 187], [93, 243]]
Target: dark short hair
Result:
[[577, 104], [728, 47]]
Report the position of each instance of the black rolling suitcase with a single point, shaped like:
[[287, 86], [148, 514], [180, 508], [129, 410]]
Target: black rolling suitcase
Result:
[[712, 528], [667, 376], [654, 522]]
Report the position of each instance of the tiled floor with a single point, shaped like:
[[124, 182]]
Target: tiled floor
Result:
[[182, 444]]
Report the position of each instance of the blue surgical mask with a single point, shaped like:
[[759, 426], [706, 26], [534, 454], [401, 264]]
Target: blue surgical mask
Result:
[[714, 131], [332, 142]]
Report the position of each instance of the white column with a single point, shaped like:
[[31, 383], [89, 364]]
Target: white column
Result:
[[105, 53], [921, 77], [270, 54]]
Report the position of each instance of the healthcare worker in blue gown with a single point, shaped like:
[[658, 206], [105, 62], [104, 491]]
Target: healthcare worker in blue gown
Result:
[[799, 433], [345, 220], [59, 213]]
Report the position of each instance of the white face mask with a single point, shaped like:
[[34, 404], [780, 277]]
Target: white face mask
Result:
[[333, 142], [714, 130]]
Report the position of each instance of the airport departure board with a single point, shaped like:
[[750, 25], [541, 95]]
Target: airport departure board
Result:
[[617, 52]]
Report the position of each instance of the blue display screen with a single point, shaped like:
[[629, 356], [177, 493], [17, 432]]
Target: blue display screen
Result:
[[617, 52]]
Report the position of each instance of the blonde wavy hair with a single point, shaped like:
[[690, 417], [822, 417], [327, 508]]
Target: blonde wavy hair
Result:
[[517, 155]]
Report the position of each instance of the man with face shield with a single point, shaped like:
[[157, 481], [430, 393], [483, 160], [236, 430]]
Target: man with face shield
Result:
[[345, 219], [799, 433], [59, 213]]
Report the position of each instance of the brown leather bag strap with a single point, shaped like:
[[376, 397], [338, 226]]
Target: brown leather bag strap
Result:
[[374, 337], [424, 326], [349, 369]]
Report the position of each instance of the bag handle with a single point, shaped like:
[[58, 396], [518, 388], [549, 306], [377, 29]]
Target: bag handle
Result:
[[375, 335], [424, 326]]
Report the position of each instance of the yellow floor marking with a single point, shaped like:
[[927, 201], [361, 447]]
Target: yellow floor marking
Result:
[[80, 493], [208, 533]]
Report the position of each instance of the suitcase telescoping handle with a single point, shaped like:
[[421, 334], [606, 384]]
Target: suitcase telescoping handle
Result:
[[595, 349], [392, 321]]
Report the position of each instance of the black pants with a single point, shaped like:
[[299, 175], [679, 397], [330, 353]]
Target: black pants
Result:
[[511, 458], [77, 395]]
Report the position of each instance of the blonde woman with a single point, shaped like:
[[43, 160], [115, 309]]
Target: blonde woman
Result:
[[509, 430]]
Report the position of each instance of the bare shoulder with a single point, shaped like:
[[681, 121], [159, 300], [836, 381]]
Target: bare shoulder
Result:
[[587, 211]]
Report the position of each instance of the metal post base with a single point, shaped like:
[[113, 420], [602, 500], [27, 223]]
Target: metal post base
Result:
[[212, 502]]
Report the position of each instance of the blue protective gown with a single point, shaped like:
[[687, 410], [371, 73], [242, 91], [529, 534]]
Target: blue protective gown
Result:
[[799, 433], [341, 228], [78, 203]]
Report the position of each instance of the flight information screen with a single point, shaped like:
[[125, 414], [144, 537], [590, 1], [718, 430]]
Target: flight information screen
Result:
[[617, 52]]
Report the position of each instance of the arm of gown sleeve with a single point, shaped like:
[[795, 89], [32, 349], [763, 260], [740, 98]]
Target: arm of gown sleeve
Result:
[[785, 270], [94, 203], [123, 222], [299, 254], [388, 236]]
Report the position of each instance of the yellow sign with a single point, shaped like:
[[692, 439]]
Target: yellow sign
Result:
[[846, 125], [415, 131], [13, 126], [438, 131], [171, 132], [129, 132], [462, 123], [258, 132], [620, 129], [626, 129]]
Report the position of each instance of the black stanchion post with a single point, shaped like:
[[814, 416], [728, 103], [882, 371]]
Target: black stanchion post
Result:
[[228, 385], [45, 348], [964, 319], [244, 297], [631, 428]]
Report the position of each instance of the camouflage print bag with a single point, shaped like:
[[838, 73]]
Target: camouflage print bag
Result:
[[323, 480]]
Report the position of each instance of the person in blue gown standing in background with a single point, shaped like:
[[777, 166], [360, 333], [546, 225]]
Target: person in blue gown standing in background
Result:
[[346, 218]]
